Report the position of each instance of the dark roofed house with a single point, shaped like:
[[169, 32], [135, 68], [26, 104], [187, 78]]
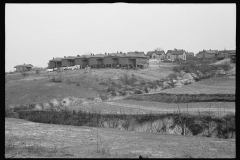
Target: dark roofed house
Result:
[[113, 59], [23, 67], [137, 59], [207, 54], [190, 54], [55, 63], [156, 55], [96, 61], [68, 61], [172, 55], [232, 55], [136, 53]]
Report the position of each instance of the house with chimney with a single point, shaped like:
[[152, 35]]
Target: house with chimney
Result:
[[207, 54], [189, 54], [96, 61], [222, 54], [55, 63], [23, 67], [68, 61], [232, 55], [132, 60], [173, 55], [113, 60], [159, 55]]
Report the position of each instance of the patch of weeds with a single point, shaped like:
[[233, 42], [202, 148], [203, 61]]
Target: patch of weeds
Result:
[[137, 92], [24, 74], [56, 79], [111, 89]]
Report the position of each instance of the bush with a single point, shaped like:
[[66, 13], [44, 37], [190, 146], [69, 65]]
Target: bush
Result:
[[226, 67], [25, 74], [127, 80], [37, 71], [56, 79]]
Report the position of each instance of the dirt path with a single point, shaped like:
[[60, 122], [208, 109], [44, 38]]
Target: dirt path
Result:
[[81, 142]]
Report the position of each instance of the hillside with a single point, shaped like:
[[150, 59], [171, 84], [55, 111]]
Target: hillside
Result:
[[77, 83]]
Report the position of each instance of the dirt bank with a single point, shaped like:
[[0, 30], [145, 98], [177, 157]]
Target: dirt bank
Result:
[[183, 98]]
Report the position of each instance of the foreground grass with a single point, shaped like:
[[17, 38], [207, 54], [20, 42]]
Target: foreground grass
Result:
[[91, 142], [225, 126]]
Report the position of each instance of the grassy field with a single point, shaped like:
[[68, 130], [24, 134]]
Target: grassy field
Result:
[[146, 107], [24, 139], [215, 85]]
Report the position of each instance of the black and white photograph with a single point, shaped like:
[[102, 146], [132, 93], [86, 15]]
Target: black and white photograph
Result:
[[120, 80]]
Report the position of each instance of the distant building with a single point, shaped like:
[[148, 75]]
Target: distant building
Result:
[[96, 61], [175, 54], [135, 53], [68, 61], [156, 55], [23, 67], [207, 54], [232, 55], [189, 54], [55, 63]]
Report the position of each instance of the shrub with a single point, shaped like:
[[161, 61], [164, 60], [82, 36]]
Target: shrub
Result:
[[25, 74], [37, 71], [226, 67], [126, 79], [111, 89], [137, 92], [173, 76], [56, 79]]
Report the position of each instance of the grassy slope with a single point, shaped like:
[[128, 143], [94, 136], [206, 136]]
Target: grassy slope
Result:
[[224, 85], [25, 91], [19, 89], [81, 142]]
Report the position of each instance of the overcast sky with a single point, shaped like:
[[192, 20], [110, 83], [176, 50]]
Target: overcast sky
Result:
[[35, 33]]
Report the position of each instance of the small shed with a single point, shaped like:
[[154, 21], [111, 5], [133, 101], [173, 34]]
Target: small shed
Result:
[[23, 67]]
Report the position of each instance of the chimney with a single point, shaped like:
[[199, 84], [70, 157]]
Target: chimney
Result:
[[23, 63], [64, 56], [117, 51], [175, 49], [120, 52], [53, 58], [105, 53], [93, 54], [155, 50], [78, 55]]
